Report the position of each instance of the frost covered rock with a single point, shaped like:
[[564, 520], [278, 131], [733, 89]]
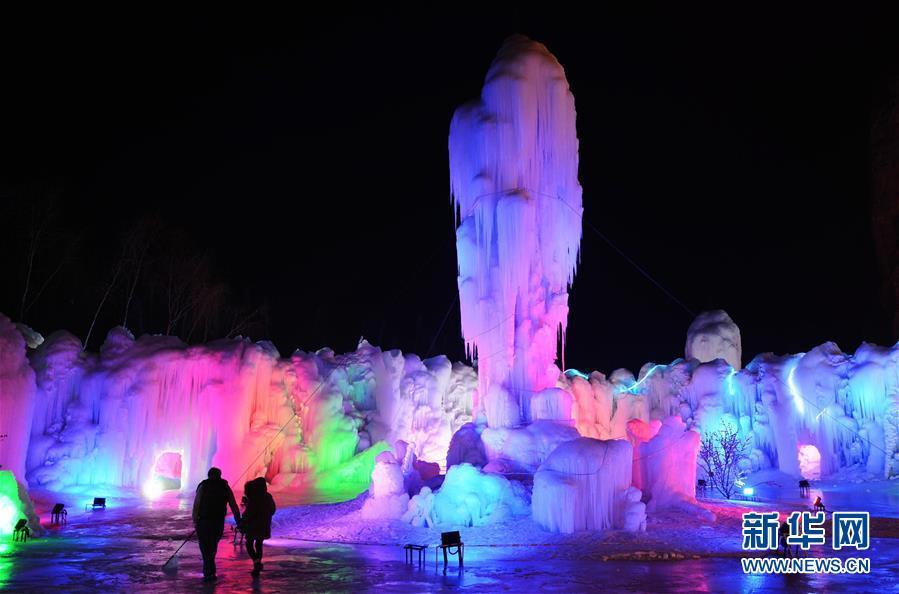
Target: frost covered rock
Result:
[[713, 335], [513, 177], [582, 485], [469, 497]]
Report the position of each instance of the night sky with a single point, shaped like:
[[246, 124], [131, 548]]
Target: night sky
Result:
[[727, 154]]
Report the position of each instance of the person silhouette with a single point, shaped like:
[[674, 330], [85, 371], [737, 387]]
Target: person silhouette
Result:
[[257, 519], [819, 505], [212, 498], [783, 533]]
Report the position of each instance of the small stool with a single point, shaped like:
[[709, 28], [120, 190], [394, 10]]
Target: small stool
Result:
[[21, 531], [448, 542], [99, 503], [701, 487], [59, 515], [414, 547]]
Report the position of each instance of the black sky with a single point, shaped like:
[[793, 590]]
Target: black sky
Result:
[[726, 153]]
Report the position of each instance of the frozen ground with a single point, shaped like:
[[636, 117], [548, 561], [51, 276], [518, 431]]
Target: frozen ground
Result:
[[124, 547]]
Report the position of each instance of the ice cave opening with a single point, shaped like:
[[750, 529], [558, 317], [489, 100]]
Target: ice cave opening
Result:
[[809, 462], [166, 476]]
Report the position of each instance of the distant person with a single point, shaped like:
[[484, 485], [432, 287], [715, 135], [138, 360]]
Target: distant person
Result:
[[783, 533], [257, 519], [213, 497], [819, 505]]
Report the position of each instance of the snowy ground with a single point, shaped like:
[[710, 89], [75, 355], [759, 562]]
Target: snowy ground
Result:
[[668, 534], [124, 547]]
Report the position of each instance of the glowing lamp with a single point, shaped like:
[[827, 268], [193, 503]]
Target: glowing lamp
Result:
[[153, 488], [748, 491], [9, 513]]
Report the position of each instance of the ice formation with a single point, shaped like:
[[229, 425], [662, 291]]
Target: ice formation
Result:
[[582, 485], [513, 176], [665, 462], [17, 394], [523, 449], [387, 494], [713, 335], [470, 497], [131, 413], [634, 511]]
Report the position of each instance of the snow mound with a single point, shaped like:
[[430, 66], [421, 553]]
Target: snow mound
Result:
[[470, 497]]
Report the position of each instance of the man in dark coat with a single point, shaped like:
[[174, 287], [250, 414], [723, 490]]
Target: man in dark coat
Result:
[[213, 496]]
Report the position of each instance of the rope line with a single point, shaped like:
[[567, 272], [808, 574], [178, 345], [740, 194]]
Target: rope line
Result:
[[834, 419], [596, 230]]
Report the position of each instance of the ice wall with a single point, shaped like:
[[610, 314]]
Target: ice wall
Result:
[[513, 176], [314, 421], [17, 391], [838, 409]]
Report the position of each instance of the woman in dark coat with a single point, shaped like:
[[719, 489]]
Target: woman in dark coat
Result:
[[257, 519]]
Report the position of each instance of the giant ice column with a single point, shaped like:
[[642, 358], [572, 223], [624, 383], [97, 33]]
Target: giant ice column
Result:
[[513, 176]]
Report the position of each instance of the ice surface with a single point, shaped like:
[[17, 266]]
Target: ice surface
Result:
[[582, 485], [513, 177]]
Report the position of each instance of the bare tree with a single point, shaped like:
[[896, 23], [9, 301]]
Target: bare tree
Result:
[[137, 243], [46, 249], [109, 287], [720, 454]]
